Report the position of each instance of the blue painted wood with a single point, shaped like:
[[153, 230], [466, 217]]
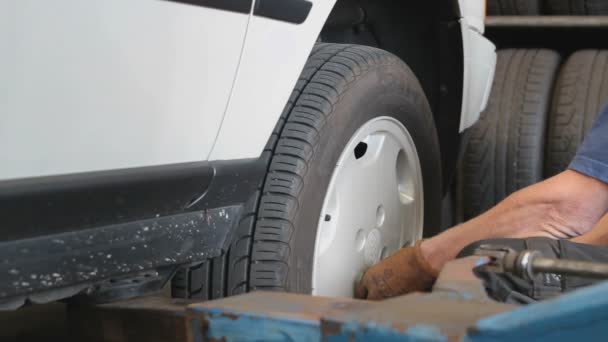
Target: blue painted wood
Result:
[[578, 316], [264, 316], [372, 332], [254, 327]]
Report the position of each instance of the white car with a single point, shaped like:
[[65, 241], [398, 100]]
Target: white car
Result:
[[231, 145]]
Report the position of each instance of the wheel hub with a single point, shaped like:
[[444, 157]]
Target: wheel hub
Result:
[[373, 206], [372, 247]]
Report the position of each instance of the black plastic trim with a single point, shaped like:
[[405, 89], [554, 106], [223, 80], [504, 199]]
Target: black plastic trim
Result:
[[92, 255], [290, 11], [84, 228], [57, 204], [238, 6]]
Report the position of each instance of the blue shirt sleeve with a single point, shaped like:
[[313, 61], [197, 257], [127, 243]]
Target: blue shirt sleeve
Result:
[[592, 156]]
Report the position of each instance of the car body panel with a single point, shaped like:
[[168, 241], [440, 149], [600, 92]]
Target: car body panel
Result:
[[266, 80], [271, 77], [123, 116], [479, 65], [473, 12], [145, 95], [100, 85]]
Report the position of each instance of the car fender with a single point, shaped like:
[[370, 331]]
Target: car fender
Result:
[[273, 57], [103, 85], [479, 62], [275, 52]]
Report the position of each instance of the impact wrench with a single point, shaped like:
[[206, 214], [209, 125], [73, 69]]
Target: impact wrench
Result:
[[527, 263]]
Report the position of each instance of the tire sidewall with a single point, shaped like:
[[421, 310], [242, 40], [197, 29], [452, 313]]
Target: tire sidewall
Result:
[[383, 90]]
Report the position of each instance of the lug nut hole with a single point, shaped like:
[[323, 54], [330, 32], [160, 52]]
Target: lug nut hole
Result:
[[360, 150]]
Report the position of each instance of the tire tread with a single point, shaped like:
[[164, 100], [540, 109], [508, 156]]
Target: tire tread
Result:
[[506, 144], [258, 256], [295, 148], [577, 7], [580, 92]]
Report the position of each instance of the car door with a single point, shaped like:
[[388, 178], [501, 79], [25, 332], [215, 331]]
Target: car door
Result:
[[96, 85]]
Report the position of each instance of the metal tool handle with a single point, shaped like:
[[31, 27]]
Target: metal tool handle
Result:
[[528, 263], [570, 267]]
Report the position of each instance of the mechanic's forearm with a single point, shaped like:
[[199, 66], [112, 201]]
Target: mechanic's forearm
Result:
[[564, 206], [510, 218], [597, 236]]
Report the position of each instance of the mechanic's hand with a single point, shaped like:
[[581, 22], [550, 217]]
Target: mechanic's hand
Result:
[[562, 207], [403, 272]]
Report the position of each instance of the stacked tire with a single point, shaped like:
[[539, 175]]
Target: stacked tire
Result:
[[513, 7], [580, 93], [576, 7], [536, 118], [550, 7]]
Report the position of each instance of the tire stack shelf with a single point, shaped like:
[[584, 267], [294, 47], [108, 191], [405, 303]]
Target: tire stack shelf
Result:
[[551, 81]]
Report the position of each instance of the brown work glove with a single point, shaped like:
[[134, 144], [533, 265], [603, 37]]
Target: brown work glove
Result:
[[403, 272]]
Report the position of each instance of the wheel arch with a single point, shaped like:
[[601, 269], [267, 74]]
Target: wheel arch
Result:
[[427, 36]]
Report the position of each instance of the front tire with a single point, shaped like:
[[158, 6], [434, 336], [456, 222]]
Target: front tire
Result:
[[342, 88]]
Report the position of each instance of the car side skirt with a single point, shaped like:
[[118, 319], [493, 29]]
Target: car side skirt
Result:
[[181, 214]]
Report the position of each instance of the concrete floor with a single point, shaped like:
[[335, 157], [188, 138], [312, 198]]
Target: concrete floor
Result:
[[35, 323]]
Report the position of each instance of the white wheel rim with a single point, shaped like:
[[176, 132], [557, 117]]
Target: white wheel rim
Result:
[[373, 206]]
